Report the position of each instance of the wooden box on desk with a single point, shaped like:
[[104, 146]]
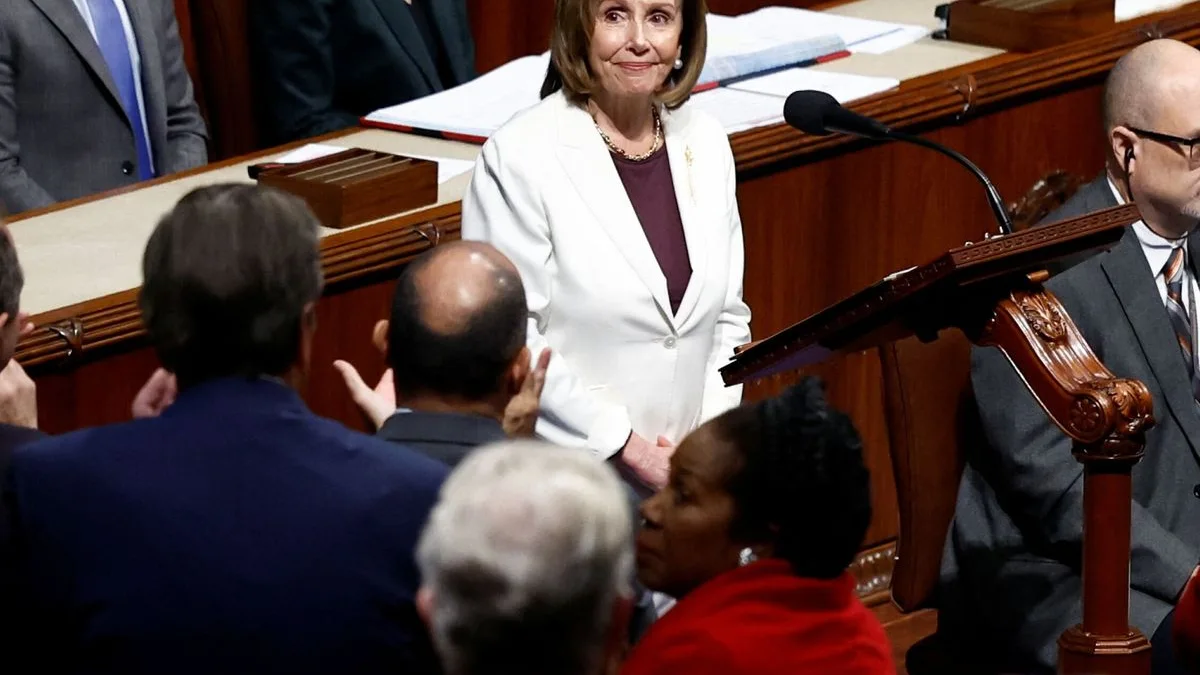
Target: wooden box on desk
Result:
[[357, 186], [1025, 25]]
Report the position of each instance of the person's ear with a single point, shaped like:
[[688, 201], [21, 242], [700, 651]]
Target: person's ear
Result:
[[379, 337], [1124, 148], [425, 605], [518, 370], [5, 317]]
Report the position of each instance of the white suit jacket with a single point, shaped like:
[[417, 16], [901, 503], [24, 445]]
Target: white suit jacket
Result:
[[546, 193]]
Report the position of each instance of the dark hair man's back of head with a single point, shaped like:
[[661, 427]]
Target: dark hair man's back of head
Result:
[[229, 273], [458, 321], [12, 282]]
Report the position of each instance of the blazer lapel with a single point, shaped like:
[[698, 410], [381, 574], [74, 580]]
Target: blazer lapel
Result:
[[586, 161], [404, 27], [65, 16], [697, 225], [1134, 285]]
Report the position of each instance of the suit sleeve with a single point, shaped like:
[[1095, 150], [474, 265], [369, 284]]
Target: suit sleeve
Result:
[[18, 192], [296, 67], [1043, 483], [503, 207], [186, 134], [733, 325]]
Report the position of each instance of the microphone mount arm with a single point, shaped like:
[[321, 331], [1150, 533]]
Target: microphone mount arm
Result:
[[993, 196]]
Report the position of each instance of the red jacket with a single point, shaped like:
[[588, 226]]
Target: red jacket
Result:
[[1186, 626], [763, 619]]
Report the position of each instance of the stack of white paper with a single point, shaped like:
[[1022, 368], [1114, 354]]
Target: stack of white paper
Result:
[[759, 41], [477, 108], [843, 87], [736, 49], [739, 110], [759, 102], [1125, 10], [777, 24]]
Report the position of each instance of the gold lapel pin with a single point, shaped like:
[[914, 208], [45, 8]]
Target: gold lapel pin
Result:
[[687, 156]]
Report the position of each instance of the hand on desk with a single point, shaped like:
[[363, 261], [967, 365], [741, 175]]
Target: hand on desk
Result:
[[18, 397], [156, 395], [377, 404], [521, 415]]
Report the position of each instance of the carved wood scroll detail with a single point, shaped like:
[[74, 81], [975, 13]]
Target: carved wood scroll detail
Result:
[[1106, 415]]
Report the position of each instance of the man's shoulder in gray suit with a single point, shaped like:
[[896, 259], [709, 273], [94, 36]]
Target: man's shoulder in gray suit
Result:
[[1092, 197]]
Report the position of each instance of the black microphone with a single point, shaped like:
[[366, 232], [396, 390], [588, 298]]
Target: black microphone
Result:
[[819, 114]]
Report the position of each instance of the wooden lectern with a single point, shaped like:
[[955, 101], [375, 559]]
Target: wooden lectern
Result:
[[992, 291]]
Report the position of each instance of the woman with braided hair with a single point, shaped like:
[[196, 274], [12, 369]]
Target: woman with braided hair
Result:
[[764, 510]]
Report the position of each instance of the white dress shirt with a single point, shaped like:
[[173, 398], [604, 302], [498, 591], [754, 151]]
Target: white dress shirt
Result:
[[1157, 250], [135, 58]]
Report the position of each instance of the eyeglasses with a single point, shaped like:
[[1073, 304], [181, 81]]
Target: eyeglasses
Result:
[[1186, 145]]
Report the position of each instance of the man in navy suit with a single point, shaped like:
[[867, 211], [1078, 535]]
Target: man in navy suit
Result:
[[236, 532], [18, 402]]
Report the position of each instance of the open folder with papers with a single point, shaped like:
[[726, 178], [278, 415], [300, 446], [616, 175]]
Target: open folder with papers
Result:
[[764, 42]]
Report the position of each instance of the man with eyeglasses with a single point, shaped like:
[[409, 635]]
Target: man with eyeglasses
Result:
[[1011, 570]]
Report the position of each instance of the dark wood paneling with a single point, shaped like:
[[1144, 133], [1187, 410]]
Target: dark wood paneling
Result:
[[506, 29]]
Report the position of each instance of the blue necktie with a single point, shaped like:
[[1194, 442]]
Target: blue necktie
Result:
[[110, 36]]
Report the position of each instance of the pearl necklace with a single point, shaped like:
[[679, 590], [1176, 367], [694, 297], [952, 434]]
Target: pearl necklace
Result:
[[658, 139]]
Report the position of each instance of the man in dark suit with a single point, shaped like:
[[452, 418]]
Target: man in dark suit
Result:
[[1011, 569], [459, 372], [455, 348], [18, 405], [94, 95], [237, 532], [323, 64]]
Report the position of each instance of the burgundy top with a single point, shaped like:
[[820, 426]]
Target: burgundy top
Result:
[[652, 193]]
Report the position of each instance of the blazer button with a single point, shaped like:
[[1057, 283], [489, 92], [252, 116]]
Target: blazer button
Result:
[[1196, 491], [127, 168], [669, 343]]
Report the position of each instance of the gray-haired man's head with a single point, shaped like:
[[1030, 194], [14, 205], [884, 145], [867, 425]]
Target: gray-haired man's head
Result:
[[526, 562]]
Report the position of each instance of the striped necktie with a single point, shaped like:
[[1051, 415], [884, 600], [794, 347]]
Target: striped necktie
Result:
[[1175, 274], [110, 37]]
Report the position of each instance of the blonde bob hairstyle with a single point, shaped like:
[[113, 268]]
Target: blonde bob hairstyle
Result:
[[574, 22]]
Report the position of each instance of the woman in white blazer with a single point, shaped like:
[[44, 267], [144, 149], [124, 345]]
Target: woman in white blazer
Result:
[[617, 204]]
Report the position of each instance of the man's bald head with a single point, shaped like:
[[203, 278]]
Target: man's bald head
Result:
[[457, 281], [1149, 80], [1151, 108], [458, 322]]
